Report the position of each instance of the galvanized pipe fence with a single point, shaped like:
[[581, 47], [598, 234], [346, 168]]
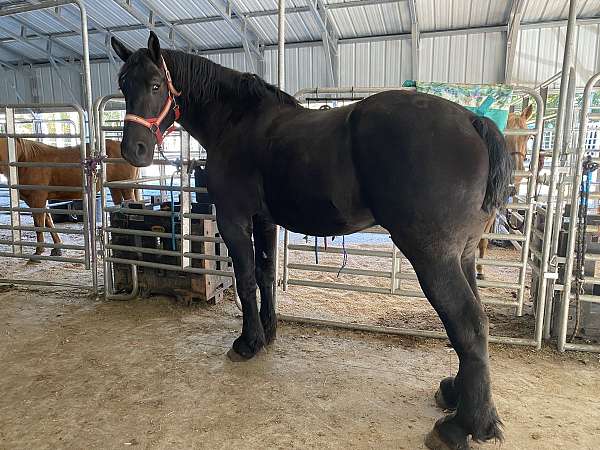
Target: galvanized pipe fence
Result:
[[178, 183], [17, 242]]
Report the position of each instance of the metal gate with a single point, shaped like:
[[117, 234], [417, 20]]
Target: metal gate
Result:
[[395, 274], [178, 183], [565, 285], [18, 244]]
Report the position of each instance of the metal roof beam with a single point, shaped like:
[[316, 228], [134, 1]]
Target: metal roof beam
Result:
[[25, 41], [329, 36], [148, 21], [415, 36], [20, 56], [39, 33], [58, 15], [251, 43], [157, 13], [517, 12]]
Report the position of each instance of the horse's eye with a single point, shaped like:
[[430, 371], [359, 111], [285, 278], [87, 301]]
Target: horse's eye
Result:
[[155, 87]]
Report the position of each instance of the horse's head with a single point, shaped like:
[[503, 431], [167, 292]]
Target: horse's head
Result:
[[149, 100], [517, 145]]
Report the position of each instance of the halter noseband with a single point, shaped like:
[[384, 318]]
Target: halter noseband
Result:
[[153, 123]]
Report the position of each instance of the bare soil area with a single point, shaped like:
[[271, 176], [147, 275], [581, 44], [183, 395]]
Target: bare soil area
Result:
[[77, 372], [83, 373]]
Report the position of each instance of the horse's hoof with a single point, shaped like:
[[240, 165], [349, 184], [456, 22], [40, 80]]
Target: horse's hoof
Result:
[[433, 441], [33, 261], [236, 357], [56, 252], [436, 441], [480, 276]]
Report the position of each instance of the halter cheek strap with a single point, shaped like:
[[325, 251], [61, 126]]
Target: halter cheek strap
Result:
[[153, 123]]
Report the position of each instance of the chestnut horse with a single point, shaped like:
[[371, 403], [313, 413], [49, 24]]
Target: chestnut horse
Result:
[[517, 147], [31, 151]]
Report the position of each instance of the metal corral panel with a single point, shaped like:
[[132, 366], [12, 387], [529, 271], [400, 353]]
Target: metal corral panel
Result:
[[540, 54], [472, 58], [383, 63], [448, 14]]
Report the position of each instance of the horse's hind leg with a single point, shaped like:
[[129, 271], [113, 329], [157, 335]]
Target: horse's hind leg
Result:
[[55, 237], [264, 251], [446, 396], [445, 285]]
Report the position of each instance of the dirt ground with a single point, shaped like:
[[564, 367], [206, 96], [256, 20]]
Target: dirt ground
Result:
[[82, 373], [78, 372]]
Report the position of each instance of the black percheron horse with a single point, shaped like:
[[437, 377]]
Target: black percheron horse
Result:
[[426, 169]]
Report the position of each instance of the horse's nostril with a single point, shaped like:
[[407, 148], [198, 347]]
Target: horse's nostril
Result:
[[140, 150]]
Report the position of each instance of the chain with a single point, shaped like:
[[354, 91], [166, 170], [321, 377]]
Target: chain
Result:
[[580, 244]]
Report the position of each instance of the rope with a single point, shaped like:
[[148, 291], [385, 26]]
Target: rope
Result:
[[344, 257], [580, 244]]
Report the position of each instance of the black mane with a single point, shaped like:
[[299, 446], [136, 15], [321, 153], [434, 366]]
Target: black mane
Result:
[[202, 80]]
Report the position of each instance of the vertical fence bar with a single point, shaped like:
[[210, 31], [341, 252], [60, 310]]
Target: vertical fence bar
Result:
[[185, 199], [13, 180], [394, 268], [286, 259], [86, 192], [562, 184], [558, 141], [280, 85]]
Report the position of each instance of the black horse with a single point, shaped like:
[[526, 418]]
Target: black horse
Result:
[[426, 169]]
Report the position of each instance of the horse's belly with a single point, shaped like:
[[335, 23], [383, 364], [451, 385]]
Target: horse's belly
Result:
[[319, 215]]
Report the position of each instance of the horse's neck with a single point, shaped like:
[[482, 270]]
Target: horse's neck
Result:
[[212, 97]]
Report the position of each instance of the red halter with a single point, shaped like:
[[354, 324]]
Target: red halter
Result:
[[153, 123]]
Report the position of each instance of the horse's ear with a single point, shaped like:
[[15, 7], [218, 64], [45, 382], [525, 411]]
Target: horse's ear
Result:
[[154, 47], [527, 112], [122, 52]]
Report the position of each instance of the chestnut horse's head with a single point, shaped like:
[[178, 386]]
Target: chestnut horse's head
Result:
[[517, 145], [150, 100]]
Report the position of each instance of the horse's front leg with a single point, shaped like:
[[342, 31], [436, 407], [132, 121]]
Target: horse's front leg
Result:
[[237, 234], [39, 220], [55, 237], [265, 248]]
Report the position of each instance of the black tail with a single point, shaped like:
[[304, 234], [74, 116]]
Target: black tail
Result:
[[501, 164]]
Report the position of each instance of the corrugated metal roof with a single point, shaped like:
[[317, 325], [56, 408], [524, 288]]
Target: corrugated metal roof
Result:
[[548, 10], [458, 58], [449, 14]]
